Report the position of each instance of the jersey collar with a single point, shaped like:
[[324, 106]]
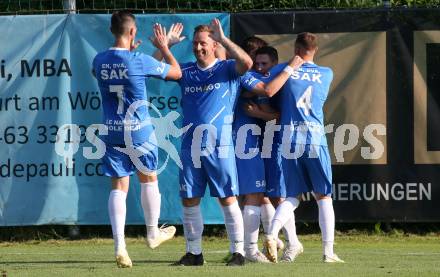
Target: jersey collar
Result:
[[207, 67]]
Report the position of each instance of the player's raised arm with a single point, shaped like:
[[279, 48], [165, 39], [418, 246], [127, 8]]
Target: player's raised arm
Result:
[[261, 89], [160, 41], [272, 87], [220, 52], [174, 36], [275, 85], [243, 61]]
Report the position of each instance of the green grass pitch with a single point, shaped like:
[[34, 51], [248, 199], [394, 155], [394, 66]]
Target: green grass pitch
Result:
[[365, 255]]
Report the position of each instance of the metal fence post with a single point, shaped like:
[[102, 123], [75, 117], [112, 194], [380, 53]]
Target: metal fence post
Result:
[[69, 6]]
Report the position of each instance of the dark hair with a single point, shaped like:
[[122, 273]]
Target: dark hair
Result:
[[202, 28], [307, 41], [268, 50], [119, 22], [251, 44]]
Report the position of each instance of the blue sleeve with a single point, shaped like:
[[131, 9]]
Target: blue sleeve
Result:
[[275, 70], [231, 69], [248, 81], [154, 68]]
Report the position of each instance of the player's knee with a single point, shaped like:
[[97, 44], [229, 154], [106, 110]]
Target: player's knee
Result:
[[254, 199], [147, 178], [265, 201], [276, 201], [319, 196], [227, 201], [190, 202], [120, 183]]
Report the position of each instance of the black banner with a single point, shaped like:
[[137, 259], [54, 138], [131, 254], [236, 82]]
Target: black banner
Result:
[[396, 52]]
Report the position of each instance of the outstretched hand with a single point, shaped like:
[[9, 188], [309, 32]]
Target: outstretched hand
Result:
[[217, 30], [251, 108], [174, 33], [160, 39], [135, 45]]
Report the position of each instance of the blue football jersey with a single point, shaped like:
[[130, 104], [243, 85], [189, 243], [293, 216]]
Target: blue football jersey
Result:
[[273, 101], [121, 78], [302, 101], [247, 82], [209, 98]]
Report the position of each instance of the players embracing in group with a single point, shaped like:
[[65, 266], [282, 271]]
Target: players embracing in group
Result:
[[215, 145]]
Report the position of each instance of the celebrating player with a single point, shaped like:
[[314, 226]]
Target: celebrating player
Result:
[[121, 77], [209, 90], [250, 167], [247, 141], [308, 168], [266, 58]]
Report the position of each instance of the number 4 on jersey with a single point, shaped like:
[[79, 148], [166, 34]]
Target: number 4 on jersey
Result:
[[305, 101]]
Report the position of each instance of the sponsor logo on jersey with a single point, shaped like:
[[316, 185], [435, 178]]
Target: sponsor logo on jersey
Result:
[[201, 89]]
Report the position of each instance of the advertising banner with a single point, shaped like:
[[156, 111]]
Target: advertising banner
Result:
[[382, 113], [48, 95]]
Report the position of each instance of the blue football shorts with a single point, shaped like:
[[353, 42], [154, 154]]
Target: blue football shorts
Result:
[[251, 176], [275, 183], [119, 164], [311, 172], [217, 172]]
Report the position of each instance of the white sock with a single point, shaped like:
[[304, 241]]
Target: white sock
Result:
[[234, 227], [267, 213], [283, 213], [251, 220], [150, 200], [327, 225], [289, 231], [193, 229], [117, 211]]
